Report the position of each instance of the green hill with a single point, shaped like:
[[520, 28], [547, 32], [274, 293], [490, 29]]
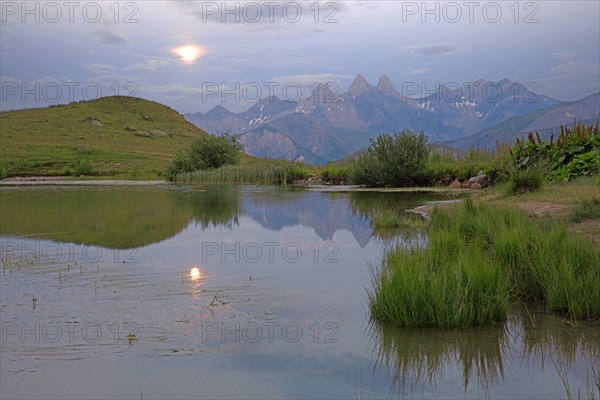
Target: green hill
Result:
[[124, 137]]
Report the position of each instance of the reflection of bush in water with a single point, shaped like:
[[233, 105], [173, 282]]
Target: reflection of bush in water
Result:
[[216, 206], [418, 357]]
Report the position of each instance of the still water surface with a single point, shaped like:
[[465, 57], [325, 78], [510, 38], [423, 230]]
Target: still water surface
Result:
[[241, 292]]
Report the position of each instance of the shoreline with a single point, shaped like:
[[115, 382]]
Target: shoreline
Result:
[[59, 181]]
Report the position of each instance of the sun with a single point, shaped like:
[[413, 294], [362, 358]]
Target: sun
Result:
[[189, 53]]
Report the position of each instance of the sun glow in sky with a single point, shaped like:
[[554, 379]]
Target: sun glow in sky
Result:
[[458, 42], [189, 53]]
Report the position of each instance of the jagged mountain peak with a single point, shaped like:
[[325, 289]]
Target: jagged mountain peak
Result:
[[386, 85], [328, 125], [359, 86]]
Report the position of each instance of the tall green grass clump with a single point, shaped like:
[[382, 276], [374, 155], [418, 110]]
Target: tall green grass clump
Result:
[[477, 259], [441, 286], [282, 173], [523, 181], [463, 165], [334, 174], [586, 209]]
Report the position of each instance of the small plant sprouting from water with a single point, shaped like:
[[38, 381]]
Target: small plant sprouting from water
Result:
[[130, 338], [215, 300]]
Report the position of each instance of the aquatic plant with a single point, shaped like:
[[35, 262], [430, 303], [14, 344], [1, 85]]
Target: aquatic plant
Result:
[[478, 258]]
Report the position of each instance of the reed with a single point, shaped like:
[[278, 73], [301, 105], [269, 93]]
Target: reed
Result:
[[479, 258]]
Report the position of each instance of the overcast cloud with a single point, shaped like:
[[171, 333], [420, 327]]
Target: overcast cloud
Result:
[[259, 49]]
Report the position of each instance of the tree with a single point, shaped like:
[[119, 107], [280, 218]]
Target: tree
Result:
[[392, 160]]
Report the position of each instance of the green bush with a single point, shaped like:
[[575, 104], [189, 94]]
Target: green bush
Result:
[[523, 181], [206, 152], [392, 160], [83, 167], [575, 153]]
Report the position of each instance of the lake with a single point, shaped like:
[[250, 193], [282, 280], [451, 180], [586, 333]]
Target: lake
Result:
[[175, 291]]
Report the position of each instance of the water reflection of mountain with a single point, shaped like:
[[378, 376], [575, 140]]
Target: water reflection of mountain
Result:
[[133, 216], [325, 213]]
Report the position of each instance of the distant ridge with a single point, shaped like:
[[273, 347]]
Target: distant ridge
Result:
[[334, 125], [545, 121]]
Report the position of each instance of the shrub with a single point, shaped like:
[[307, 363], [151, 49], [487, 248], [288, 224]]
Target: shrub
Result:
[[523, 181], [576, 152], [83, 167], [392, 160], [206, 152]]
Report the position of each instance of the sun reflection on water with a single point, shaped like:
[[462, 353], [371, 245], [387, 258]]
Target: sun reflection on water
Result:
[[195, 274]]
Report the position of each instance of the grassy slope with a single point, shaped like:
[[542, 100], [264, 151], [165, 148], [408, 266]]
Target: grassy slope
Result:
[[50, 141]]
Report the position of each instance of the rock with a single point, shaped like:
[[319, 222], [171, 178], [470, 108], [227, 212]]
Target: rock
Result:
[[482, 179], [95, 122], [456, 184], [159, 134], [446, 181], [475, 186]]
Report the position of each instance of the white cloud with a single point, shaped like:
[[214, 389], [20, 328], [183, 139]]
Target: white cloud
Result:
[[175, 90], [417, 71], [149, 66], [98, 68], [563, 54], [109, 37], [433, 49], [570, 67], [309, 79]]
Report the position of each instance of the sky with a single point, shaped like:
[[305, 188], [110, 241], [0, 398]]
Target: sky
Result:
[[195, 55]]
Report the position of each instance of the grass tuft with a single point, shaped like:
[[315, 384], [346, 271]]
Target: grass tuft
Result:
[[480, 257], [586, 209], [523, 181]]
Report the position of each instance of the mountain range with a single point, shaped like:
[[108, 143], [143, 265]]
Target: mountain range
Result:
[[326, 126]]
